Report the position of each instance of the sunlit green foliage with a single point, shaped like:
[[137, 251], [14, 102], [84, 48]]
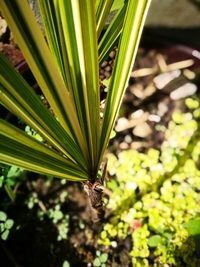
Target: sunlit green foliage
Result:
[[9, 176], [100, 259], [65, 64], [153, 195], [66, 264]]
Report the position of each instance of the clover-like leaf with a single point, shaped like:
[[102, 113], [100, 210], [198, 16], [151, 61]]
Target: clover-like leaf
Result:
[[103, 257], [9, 224], [3, 216], [5, 234], [154, 241], [97, 262]]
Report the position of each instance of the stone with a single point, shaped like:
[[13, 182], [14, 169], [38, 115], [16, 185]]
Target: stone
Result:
[[3, 27], [112, 54], [142, 130], [183, 91], [104, 64], [163, 79]]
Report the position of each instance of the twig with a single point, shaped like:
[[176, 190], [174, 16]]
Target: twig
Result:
[[42, 206]]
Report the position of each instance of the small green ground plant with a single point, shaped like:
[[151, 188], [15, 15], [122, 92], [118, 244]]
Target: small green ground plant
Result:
[[9, 176], [54, 212], [5, 225], [66, 68], [100, 259], [155, 197]]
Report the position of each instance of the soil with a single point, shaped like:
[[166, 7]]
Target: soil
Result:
[[33, 241]]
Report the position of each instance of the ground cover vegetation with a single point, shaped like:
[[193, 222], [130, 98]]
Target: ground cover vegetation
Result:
[[155, 195], [150, 186]]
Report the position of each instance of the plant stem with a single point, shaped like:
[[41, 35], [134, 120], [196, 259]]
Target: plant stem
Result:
[[95, 193]]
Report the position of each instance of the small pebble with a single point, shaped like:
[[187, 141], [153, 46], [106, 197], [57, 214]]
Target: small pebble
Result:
[[121, 124], [104, 64], [189, 74], [113, 244], [108, 68], [162, 109], [102, 77], [128, 139], [153, 117], [123, 145], [112, 54], [3, 26], [101, 71], [137, 90], [107, 74], [137, 114], [196, 54], [163, 79], [186, 90], [142, 130], [136, 145]]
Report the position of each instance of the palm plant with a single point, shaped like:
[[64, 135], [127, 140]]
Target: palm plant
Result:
[[66, 68]]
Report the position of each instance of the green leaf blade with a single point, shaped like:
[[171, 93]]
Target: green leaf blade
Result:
[[103, 11], [19, 98], [111, 35], [37, 54], [79, 24], [15, 152], [131, 32]]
